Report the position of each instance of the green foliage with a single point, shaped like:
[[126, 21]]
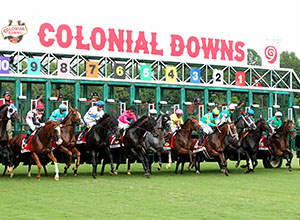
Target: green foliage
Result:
[[253, 58]]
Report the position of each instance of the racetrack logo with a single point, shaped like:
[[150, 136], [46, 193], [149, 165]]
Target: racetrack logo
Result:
[[14, 33], [271, 54]]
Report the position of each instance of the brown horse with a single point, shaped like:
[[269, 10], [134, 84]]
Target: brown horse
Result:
[[215, 147], [280, 141], [40, 145], [7, 112], [182, 139]]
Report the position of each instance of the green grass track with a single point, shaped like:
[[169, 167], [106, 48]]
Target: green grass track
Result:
[[264, 194]]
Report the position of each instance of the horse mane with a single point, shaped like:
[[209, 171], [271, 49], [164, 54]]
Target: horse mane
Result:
[[138, 121], [259, 120], [3, 106], [239, 118], [221, 125], [105, 116], [283, 124]]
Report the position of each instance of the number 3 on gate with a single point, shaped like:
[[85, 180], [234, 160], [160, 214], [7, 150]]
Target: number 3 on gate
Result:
[[171, 74]]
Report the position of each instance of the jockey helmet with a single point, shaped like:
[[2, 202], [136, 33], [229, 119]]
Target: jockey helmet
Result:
[[179, 112], [94, 94], [250, 112], [62, 107], [231, 107], [60, 95], [197, 99], [6, 92], [40, 106], [278, 114], [215, 111], [132, 107], [153, 111], [100, 103]]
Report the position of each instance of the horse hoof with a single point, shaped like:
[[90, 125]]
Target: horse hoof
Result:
[[11, 175], [94, 176], [147, 175], [236, 165], [158, 168], [197, 172], [111, 173], [10, 169], [3, 176], [128, 173], [168, 166], [39, 179], [290, 169], [65, 174], [29, 175], [243, 166], [56, 178], [116, 172], [75, 174], [226, 173]]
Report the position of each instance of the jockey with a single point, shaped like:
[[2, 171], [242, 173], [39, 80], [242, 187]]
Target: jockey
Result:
[[34, 119], [126, 116], [224, 116], [92, 115], [209, 120], [176, 120], [152, 113], [275, 121], [251, 114], [94, 98], [194, 108], [6, 96], [59, 114]]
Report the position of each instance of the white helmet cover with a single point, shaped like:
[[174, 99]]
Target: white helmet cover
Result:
[[278, 114], [153, 111], [231, 106]]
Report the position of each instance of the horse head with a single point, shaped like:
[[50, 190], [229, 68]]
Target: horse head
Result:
[[229, 129], [244, 121], [12, 113], [164, 122], [75, 116], [192, 124], [289, 127], [113, 127], [263, 125], [152, 126], [52, 129]]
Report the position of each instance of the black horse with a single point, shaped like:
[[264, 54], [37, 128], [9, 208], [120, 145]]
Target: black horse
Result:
[[98, 137], [233, 146], [7, 112], [133, 141], [250, 143]]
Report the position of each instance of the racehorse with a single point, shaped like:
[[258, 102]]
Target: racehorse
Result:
[[40, 145], [214, 144], [98, 138], [243, 122], [250, 143], [156, 145], [133, 141], [7, 112], [181, 141], [280, 141]]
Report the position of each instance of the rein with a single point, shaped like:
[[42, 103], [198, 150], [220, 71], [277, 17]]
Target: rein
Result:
[[248, 124]]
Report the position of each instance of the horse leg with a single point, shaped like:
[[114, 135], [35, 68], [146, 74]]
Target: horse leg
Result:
[[51, 156], [77, 152], [191, 160], [4, 171], [29, 170], [168, 166], [177, 164], [93, 160], [182, 166], [107, 149], [103, 167], [45, 169], [66, 151], [289, 157], [223, 163], [159, 160], [38, 163], [117, 168], [239, 157], [128, 168]]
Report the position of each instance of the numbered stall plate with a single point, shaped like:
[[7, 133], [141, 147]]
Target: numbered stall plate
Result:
[[92, 69], [119, 72], [34, 66], [4, 65], [218, 77], [195, 75], [146, 72], [171, 74], [63, 67], [240, 78]]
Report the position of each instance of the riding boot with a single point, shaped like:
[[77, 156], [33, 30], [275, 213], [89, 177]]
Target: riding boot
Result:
[[268, 143], [202, 139], [26, 139], [83, 133]]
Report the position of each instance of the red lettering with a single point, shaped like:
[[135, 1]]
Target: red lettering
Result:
[[192, 40], [153, 44], [176, 41], [129, 41], [42, 35], [119, 42], [141, 43], [79, 39], [59, 36], [95, 32], [226, 50], [210, 48], [240, 53]]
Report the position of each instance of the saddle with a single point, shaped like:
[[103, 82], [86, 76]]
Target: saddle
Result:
[[25, 147]]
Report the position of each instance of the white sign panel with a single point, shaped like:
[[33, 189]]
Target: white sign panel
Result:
[[270, 53], [218, 77]]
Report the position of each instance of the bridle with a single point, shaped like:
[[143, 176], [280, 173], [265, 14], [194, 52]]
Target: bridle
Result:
[[229, 131]]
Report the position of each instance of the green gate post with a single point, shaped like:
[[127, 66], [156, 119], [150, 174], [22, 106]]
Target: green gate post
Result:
[[228, 97], [28, 95], [250, 98], [206, 99], [111, 93], [105, 95], [270, 103], [77, 94], [182, 100], [137, 94], [17, 94], [290, 103], [131, 94], [84, 91], [48, 95], [1, 88], [157, 97]]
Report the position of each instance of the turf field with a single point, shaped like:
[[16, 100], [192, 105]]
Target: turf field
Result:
[[265, 194]]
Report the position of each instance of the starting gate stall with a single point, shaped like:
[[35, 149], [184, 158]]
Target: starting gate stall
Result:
[[54, 104], [190, 110], [115, 108], [142, 108], [165, 107]]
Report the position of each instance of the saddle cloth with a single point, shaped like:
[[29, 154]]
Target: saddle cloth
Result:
[[26, 147], [262, 144]]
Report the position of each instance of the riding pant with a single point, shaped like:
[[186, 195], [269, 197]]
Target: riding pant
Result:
[[206, 128], [123, 125]]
